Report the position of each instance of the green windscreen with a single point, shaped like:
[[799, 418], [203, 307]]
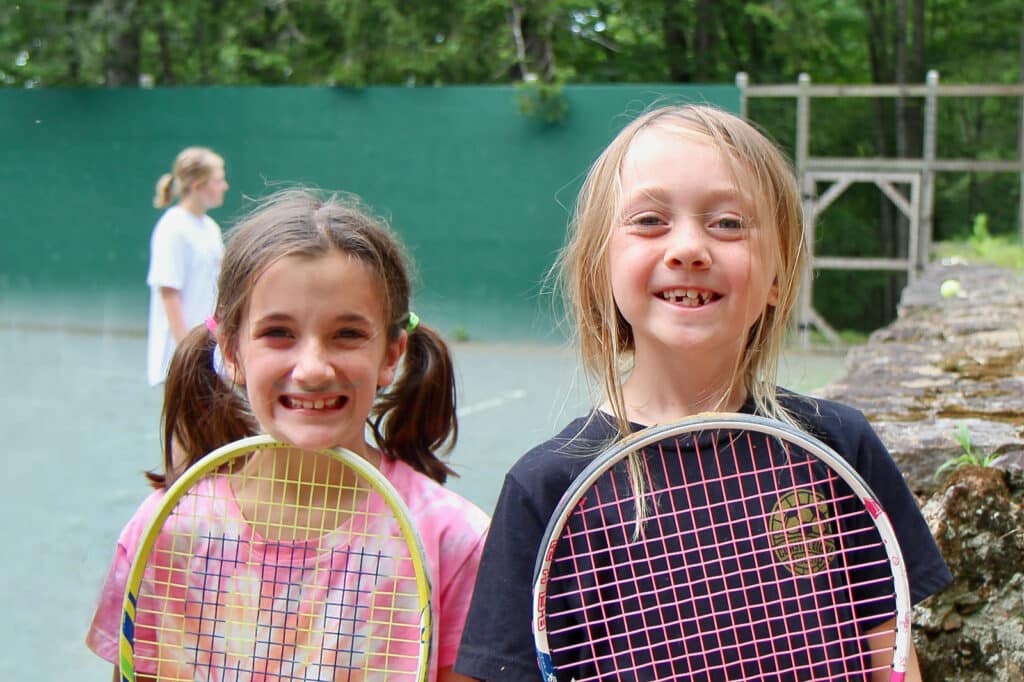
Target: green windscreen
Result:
[[479, 191]]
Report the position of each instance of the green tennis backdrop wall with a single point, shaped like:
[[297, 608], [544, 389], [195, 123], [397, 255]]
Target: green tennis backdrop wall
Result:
[[479, 192]]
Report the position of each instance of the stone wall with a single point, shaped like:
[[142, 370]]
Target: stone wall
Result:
[[946, 362]]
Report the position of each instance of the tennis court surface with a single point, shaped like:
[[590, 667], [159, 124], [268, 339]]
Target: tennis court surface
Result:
[[81, 426]]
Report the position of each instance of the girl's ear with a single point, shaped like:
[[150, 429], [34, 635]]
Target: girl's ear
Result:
[[773, 292], [233, 368], [392, 356]]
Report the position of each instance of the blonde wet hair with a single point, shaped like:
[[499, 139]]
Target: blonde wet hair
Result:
[[767, 186]]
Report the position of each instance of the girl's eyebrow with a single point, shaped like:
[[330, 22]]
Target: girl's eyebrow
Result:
[[348, 317], [656, 195], [272, 317], [351, 317], [661, 195]]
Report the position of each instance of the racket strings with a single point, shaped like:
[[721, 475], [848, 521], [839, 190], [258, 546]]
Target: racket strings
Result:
[[281, 571], [724, 574], [793, 561]]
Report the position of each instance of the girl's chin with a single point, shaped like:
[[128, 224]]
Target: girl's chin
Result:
[[307, 441]]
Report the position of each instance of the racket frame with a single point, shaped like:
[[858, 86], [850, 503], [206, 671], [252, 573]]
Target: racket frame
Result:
[[713, 421], [213, 462]]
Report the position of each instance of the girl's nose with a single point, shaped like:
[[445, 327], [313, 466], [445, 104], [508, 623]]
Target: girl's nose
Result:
[[312, 366], [687, 245]]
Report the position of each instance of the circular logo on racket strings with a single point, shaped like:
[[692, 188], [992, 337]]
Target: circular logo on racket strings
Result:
[[800, 532]]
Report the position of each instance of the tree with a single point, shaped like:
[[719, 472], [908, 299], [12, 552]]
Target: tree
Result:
[[120, 43]]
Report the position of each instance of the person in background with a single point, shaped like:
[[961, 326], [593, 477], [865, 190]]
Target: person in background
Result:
[[185, 251]]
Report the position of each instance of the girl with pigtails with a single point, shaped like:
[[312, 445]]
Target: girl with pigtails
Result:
[[313, 341]]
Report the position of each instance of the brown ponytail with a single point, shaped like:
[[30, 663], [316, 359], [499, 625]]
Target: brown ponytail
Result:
[[415, 416], [201, 412]]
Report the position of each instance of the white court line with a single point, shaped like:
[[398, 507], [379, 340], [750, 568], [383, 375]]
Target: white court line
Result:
[[491, 403]]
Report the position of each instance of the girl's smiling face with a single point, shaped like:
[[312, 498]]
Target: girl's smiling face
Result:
[[688, 269], [313, 350]]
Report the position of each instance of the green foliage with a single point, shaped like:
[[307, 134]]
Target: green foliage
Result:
[[542, 101], [847, 337], [191, 42], [856, 300], [979, 230], [980, 246], [96, 43], [969, 456]]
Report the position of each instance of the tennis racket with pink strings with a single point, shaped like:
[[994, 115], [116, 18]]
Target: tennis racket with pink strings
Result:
[[753, 551]]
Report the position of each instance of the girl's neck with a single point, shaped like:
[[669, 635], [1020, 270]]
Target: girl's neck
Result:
[[669, 392], [193, 205], [312, 491]]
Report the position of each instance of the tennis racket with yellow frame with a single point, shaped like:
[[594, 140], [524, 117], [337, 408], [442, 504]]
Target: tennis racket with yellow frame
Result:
[[267, 562]]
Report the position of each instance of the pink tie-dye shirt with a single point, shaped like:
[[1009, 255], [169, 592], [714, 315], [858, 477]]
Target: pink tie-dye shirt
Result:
[[451, 528]]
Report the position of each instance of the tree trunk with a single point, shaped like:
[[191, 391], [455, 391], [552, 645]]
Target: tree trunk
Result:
[[164, 41], [879, 50], [121, 62], [916, 73], [673, 28], [532, 38], [899, 44], [705, 41], [74, 60]]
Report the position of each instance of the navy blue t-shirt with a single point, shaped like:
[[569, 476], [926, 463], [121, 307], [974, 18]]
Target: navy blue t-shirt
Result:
[[497, 643]]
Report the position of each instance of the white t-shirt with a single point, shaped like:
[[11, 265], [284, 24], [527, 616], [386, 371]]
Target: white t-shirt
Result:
[[184, 254]]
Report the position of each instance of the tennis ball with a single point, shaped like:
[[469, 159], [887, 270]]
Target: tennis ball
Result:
[[949, 288]]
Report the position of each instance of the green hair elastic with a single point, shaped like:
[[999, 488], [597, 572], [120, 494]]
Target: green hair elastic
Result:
[[412, 323]]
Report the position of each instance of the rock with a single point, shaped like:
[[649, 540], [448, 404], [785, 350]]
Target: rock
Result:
[[943, 364]]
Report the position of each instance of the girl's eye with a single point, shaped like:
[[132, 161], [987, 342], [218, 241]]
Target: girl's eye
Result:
[[645, 221], [276, 332], [648, 220], [352, 334], [729, 223]]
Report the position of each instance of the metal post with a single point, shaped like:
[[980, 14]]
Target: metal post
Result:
[[741, 82], [1020, 138], [803, 114], [1020, 158], [931, 112]]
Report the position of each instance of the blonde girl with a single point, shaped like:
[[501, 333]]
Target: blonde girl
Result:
[[185, 250], [680, 273]]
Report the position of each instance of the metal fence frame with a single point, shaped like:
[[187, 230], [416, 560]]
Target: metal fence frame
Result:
[[918, 173]]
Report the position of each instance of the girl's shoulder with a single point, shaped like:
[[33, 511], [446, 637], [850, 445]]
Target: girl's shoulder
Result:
[[173, 215], [844, 428], [191, 504], [547, 469], [426, 498], [139, 521], [815, 411], [582, 438]]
